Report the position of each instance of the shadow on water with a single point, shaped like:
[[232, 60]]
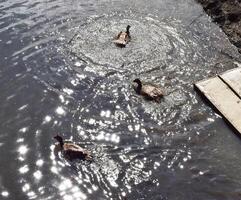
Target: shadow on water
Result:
[[61, 73]]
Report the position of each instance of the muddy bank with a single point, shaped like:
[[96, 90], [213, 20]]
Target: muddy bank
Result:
[[227, 13]]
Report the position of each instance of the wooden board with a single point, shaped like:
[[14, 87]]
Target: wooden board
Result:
[[223, 98], [233, 79]]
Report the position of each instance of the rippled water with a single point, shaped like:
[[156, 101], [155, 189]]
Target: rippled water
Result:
[[61, 73]]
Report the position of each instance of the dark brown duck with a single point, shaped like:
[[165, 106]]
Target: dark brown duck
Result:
[[123, 37], [72, 151], [149, 91]]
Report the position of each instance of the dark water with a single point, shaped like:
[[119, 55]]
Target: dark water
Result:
[[60, 73]]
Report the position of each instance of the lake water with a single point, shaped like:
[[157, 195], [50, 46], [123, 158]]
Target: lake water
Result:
[[61, 73]]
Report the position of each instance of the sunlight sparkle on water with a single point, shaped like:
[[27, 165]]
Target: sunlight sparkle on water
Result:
[[19, 140], [78, 64], [156, 165], [105, 113], [23, 149], [65, 185], [123, 194], [79, 195], [54, 170], [95, 188], [100, 136], [39, 162], [24, 169], [68, 197], [130, 128], [26, 187], [23, 107], [61, 98], [5, 194], [31, 194], [38, 174], [81, 76], [23, 130], [210, 119], [60, 111], [185, 159], [47, 118], [91, 121], [201, 173], [137, 127], [115, 138], [68, 91]]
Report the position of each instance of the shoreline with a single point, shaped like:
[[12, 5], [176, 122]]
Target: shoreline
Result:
[[227, 14]]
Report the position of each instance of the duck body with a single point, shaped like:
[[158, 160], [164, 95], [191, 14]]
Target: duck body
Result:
[[149, 91], [72, 151], [123, 37]]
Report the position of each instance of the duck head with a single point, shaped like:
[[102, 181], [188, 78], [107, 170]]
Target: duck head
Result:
[[128, 29], [59, 139], [137, 85]]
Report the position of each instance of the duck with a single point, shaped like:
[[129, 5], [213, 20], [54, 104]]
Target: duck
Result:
[[123, 37], [149, 91], [72, 151]]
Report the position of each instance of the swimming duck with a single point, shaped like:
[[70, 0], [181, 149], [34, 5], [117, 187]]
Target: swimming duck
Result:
[[149, 91], [72, 151], [123, 37]]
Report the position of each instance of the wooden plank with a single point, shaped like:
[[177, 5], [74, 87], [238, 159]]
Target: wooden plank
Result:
[[233, 79], [223, 98]]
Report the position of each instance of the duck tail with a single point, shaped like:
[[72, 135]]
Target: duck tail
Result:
[[89, 158]]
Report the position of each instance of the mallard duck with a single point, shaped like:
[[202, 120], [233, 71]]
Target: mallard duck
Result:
[[72, 151], [149, 91], [123, 37]]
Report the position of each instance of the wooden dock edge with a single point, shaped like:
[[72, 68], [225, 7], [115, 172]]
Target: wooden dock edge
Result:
[[223, 97]]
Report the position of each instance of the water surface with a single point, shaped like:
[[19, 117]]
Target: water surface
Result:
[[61, 73]]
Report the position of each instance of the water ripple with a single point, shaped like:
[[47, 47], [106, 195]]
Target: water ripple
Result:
[[62, 74]]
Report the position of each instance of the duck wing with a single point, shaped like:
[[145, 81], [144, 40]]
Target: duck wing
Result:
[[122, 38], [73, 151], [73, 147], [151, 91], [119, 34]]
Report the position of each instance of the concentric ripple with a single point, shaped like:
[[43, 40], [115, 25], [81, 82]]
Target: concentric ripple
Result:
[[153, 42]]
